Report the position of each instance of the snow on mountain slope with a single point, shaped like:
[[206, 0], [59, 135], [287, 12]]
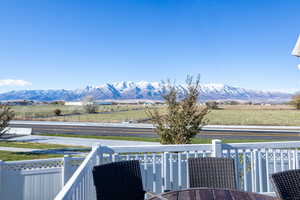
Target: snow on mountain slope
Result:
[[146, 90]]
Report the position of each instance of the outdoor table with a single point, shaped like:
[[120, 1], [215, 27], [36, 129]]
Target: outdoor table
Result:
[[212, 194]]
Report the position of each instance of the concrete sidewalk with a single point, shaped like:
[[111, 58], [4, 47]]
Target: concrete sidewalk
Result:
[[77, 141]]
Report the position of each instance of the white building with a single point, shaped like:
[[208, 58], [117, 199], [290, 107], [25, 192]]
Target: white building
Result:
[[73, 103]]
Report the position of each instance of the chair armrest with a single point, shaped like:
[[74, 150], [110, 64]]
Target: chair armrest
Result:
[[156, 195]]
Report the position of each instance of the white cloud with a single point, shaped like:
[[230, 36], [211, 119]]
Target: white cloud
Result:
[[13, 82]]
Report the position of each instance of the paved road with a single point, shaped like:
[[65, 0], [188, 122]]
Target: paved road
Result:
[[88, 130], [137, 130]]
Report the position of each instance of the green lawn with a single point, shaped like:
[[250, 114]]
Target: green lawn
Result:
[[194, 140], [10, 156], [13, 156]]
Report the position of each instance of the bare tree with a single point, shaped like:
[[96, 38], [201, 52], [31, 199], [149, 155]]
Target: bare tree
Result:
[[212, 105], [6, 114], [183, 118], [89, 104]]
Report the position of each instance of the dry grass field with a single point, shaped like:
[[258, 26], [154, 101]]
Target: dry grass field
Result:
[[226, 115], [255, 115], [108, 113]]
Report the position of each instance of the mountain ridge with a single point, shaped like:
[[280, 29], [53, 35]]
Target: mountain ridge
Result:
[[146, 90]]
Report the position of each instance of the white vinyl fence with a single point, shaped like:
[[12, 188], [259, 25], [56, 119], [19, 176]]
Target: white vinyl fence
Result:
[[165, 166], [35, 179]]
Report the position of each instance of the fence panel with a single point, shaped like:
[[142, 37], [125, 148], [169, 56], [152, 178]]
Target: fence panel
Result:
[[35, 179], [31, 180], [254, 166]]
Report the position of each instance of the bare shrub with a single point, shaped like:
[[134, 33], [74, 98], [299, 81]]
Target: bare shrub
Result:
[[6, 114], [183, 118], [57, 112]]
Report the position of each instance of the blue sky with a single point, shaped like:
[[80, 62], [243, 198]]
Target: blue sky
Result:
[[72, 43]]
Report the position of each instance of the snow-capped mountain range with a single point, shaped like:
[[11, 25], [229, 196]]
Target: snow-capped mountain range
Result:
[[146, 90]]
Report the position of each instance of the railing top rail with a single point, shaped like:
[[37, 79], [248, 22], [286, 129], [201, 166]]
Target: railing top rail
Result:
[[34, 161], [157, 148], [77, 174], [76, 158], [262, 145]]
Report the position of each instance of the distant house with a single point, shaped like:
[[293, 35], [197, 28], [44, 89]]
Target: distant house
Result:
[[73, 103], [79, 103]]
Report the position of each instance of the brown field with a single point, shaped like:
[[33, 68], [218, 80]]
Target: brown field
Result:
[[226, 115]]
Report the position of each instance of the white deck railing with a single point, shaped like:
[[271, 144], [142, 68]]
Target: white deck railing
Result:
[[80, 185], [165, 166]]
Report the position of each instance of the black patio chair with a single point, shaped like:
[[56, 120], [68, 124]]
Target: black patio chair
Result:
[[212, 172], [287, 184], [120, 181]]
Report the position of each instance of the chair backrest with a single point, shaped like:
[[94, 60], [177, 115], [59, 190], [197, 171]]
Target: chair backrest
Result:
[[287, 184], [212, 172], [119, 180]]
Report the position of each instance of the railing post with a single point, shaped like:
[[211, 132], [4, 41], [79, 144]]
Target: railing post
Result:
[[66, 169], [216, 148], [164, 171], [1, 178], [297, 160]]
